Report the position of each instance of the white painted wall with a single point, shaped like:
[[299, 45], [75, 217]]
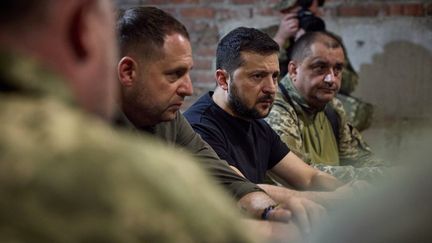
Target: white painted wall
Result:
[[393, 56]]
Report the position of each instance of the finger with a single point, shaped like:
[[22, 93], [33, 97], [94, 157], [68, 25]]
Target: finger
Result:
[[289, 16], [293, 26], [301, 216], [280, 214], [296, 9]]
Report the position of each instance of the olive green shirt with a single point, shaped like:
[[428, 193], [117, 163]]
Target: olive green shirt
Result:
[[319, 140], [67, 176], [295, 121]]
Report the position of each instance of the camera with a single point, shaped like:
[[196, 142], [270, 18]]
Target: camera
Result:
[[307, 20]]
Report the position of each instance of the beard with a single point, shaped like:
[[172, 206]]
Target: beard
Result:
[[240, 108]]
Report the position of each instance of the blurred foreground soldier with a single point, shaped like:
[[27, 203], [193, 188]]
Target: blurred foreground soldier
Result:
[[154, 76], [302, 16], [311, 121], [65, 175]]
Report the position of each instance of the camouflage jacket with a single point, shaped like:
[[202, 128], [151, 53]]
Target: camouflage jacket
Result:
[[356, 158], [67, 176]]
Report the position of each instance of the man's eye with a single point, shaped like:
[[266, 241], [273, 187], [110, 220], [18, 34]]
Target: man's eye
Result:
[[320, 69], [338, 70], [258, 76], [176, 75]]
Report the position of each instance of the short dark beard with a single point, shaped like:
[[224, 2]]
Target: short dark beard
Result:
[[238, 107]]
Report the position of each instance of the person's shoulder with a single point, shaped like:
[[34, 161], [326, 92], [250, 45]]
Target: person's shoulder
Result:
[[337, 105], [198, 109], [54, 151], [281, 102], [45, 124], [264, 126]]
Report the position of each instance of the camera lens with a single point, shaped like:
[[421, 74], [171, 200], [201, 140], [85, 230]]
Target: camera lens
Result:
[[309, 22]]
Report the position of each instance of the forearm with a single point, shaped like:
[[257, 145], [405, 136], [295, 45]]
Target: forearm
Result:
[[280, 39], [362, 158], [282, 194], [348, 173], [322, 181]]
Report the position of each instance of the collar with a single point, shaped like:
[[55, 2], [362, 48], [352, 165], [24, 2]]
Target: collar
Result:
[[226, 115], [121, 120], [296, 99]]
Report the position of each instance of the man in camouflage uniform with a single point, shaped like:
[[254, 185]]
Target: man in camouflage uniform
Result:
[[358, 112], [66, 176], [311, 121]]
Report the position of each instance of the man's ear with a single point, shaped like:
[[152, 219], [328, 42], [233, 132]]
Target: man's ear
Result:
[[292, 70], [222, 79], [127, 71], [79, 30]]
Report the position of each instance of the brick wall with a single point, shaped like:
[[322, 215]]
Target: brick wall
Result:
[[205, 20]]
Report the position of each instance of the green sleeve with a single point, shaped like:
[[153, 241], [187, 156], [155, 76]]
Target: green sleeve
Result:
[[353, 150], [284, 121], [348, 173]]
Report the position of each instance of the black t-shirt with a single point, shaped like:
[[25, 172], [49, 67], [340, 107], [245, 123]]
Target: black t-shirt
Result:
[[251, 146]]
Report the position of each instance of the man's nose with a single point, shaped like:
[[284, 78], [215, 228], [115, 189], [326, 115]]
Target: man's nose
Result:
[[330, 77], [185, 88], [270, 86]]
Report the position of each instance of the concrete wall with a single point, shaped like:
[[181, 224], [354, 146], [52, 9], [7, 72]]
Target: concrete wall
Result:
[[393, 56]]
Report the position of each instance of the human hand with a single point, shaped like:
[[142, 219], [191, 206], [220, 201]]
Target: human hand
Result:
[[353, 187], [304, 212], [350, 190], [288, 27]]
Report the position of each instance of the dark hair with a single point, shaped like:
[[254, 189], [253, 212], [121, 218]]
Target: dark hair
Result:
[[144, 29], [242, 39], [302, 47]]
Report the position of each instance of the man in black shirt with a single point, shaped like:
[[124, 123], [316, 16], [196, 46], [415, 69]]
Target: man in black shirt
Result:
[[230, 119]]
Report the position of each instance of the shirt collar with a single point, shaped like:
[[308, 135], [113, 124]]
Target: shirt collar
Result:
[[298, 101], [226, 115]]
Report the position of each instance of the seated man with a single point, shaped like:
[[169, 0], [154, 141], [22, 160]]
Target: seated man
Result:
[[311, 121], [298, 17], [154, 77], [229, 119], [66, 175]]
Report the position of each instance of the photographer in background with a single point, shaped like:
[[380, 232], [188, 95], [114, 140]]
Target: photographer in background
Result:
[[299, 17]]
